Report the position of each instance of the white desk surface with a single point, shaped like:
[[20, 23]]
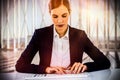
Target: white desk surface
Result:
[[108, 74]]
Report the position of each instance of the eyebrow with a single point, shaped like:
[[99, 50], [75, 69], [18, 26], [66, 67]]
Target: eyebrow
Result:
[[62, 14]]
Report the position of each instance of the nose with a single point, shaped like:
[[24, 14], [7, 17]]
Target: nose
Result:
[[60, 20]]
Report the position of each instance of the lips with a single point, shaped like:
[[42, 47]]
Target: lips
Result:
[[61, 25]]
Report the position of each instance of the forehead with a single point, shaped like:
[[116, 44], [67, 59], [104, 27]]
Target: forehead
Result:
[[60, 10]]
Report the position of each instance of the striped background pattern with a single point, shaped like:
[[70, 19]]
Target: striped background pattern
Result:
[[100, 19]]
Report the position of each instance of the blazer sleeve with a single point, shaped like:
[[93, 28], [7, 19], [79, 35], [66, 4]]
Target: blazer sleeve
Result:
[[100, 61], [24, 62]]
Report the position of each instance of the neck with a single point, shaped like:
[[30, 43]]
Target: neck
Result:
[[62, 33]]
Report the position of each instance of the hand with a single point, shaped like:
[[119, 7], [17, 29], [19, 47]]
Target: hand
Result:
[[56, 70], [78, 67]]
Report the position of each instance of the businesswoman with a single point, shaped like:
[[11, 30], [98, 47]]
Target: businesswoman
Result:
[[60, 46]]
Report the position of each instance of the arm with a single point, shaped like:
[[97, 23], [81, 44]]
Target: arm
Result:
[[24, 63], [100, 60]]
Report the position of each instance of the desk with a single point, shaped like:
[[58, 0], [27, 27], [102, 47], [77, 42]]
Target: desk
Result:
[[108, 74]]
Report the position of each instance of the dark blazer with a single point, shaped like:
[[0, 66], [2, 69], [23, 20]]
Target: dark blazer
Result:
[[42, 41]]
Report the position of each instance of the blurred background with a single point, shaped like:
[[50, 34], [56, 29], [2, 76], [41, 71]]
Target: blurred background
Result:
[[100, 19]]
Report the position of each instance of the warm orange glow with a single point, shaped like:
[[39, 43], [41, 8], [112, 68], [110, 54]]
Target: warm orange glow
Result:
[[25, 16]]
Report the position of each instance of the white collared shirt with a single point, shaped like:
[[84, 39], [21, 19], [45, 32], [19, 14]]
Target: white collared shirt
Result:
[[60, 50]]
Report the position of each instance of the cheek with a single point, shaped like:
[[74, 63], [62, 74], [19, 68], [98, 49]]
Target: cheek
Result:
[[66, 20], [54, 20]]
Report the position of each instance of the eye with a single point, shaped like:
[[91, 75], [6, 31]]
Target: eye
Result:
[[64, 15], [55, 16]]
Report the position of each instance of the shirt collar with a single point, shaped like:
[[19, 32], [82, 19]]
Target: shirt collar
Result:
[[65, 36]]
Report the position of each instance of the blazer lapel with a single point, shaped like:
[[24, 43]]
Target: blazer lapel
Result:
[[50, 44], [71, 41]]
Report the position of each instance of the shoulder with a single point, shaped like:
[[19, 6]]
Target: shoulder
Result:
[[45, 29], [42, 32], [76, 31]]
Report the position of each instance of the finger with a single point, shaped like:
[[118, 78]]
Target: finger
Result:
[[77, 68], [84, 68], [57, 70], [69, 68], [49, 70], [53, 70], [61, 70], [80, 68], [73, 66]]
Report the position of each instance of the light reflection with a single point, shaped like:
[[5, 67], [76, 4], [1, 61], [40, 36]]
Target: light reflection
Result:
[[27, 15]]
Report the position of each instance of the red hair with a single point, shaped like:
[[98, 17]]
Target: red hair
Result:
[[56, 3]]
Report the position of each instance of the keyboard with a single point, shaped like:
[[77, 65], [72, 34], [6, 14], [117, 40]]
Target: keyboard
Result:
[[58, 77]]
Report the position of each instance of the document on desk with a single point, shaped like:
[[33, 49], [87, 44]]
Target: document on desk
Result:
[[82, 76]]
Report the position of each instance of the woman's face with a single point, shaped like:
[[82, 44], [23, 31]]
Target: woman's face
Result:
[[60, 17]]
